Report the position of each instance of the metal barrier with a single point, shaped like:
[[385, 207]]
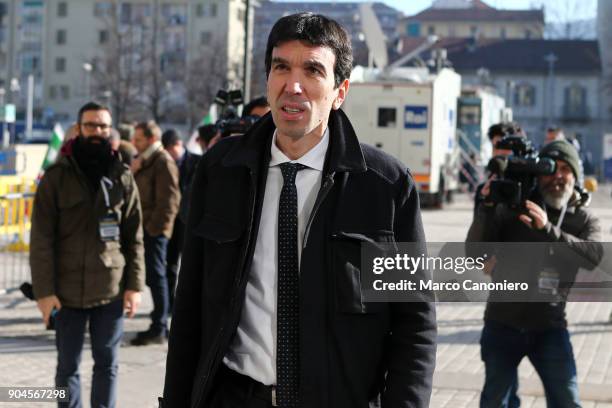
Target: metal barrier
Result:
[[16, 199]]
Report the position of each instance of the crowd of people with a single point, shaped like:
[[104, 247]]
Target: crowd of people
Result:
[[137, 187], [267, 229]]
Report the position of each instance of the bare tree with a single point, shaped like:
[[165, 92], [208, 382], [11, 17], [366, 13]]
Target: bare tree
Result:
[[206, 74], [568, 19], [115, 69], [164, 65]]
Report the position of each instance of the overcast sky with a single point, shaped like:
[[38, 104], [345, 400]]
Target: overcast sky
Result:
[[559, 9]]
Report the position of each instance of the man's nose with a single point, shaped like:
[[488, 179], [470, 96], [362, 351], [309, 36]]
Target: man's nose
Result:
[[293, 85]]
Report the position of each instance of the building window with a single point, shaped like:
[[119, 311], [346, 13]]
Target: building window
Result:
[[387, 117], [206, 10], [52, 92], [502, 33], [413, 30], [103, 8], [205, 37], [473, 31], [29, 63], [451, 31], [103, 36], [65, 92], [60, 64], [60, 37], [524, 95], [125, 15], [527, 34], [575, 102], [62, 9], [431, 30]]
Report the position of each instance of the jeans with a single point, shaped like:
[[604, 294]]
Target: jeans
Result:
[[550, 352], [173, 258], [105, 330], [155, 264]]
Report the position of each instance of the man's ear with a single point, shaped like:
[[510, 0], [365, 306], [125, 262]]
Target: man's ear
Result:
[[342, 92]]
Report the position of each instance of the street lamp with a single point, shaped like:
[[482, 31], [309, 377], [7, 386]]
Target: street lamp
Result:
[[14, 87], [551, 59], [87, 67], [5, 135]]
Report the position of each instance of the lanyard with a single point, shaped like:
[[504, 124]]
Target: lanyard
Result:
[[561, 216], [103, 183], [563, 210]]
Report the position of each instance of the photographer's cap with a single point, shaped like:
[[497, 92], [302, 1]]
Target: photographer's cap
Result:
[[563, 150]]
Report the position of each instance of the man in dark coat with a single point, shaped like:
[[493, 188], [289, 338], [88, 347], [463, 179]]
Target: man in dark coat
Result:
[[549, 240], [269, 309], [187, 163]]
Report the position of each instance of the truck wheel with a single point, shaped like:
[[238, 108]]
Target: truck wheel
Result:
[[438, 198]]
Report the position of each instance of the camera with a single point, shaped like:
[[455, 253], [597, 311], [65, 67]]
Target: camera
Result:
[[516, 174], [229, 122]]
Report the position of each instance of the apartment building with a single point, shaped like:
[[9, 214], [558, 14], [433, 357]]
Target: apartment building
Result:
[[473, 19]]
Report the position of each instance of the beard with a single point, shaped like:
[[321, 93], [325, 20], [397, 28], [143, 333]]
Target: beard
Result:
[[94, 156], [557, 193]]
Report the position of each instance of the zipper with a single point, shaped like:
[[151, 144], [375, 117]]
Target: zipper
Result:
[[216, 345], [327, 186]]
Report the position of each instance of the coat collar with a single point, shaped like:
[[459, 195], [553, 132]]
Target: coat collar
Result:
[[344, 153], [151, 158]]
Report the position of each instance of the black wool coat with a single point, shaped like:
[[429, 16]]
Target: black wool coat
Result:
[[352, 353]]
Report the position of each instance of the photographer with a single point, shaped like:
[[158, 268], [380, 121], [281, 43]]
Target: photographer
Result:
[[552, 213]]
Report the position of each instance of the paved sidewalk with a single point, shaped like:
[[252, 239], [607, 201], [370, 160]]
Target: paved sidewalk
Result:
[[27, 356]]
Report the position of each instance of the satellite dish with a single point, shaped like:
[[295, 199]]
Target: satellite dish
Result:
[[374, 37]]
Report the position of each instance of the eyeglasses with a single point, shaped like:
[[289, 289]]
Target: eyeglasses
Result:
[[93, 126]]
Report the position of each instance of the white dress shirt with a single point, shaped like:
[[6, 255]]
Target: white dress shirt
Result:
[[253, 351]]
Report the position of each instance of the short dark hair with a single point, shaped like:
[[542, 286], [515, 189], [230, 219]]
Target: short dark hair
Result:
[[92, 106], [259, 102], [150, 129], [207, 132], [170, 138], [505, 128], [316, 30]]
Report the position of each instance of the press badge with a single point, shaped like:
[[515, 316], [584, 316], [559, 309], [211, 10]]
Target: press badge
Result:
[[109, 227], [548, 281]]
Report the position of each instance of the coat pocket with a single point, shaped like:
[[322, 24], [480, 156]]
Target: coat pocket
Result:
[[218, 230], [221, 252], [112, 257], [346, 262]]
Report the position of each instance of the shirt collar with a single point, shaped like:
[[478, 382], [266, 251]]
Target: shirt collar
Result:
[[150, 150], [314, 158]]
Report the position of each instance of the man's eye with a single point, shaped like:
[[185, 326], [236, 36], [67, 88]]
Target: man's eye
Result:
[[280, 67], [313, 70]]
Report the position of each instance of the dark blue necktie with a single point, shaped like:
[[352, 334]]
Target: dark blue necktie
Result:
[[287, 330]]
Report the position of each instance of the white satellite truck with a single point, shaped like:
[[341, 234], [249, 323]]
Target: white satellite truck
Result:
[[412, 116], [409, 113]]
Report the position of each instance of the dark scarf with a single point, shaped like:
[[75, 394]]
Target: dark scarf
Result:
[[94, 157]]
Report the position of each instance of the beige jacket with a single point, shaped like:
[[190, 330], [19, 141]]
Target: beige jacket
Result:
[[158, 184]]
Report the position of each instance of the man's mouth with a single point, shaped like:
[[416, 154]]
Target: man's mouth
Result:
[[556, 187], [292, 109]]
